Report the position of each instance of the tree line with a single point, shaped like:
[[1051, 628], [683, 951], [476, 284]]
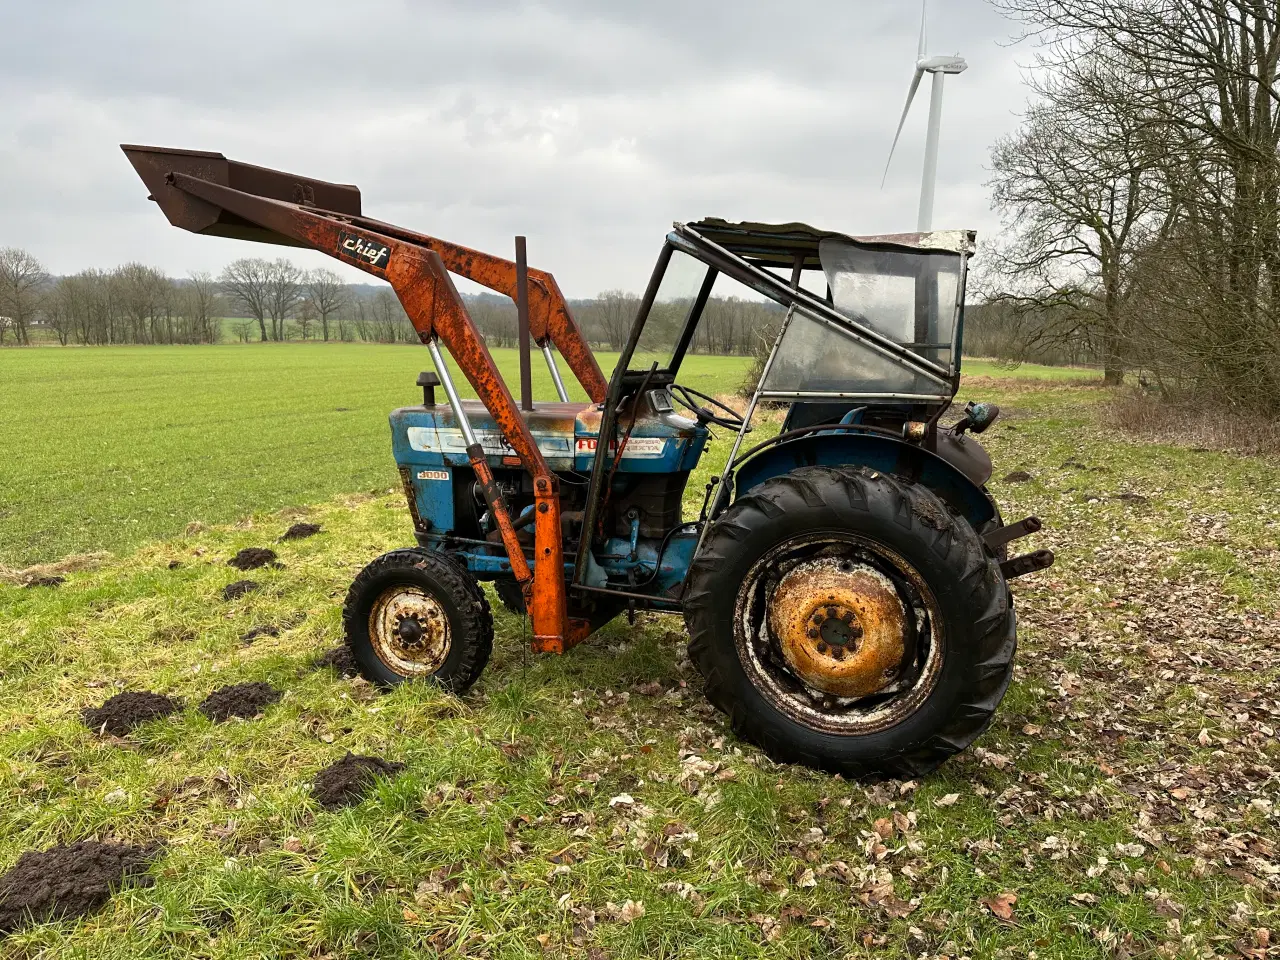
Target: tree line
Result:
[[1141, 196], [275, 300]]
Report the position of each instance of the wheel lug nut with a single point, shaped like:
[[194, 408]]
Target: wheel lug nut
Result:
[[813, 634], [822, 648]]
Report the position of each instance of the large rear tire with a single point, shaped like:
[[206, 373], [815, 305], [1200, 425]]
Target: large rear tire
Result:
[[414, 614], [847, 620]]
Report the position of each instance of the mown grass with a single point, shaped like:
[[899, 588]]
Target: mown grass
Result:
[[1125, 792], [107, 448]]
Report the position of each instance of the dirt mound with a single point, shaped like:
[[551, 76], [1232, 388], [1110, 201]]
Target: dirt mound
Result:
[[124, 711], [71, 564], [1128, 497], [253, 634], [51, 580], [238, 589], [340, 659], [68, 881], [1018, 476], [348, 780], [239, 700], [251, 558], [300, 531]]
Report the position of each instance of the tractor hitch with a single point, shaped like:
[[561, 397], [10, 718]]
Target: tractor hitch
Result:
[[997, 538], [1027, 563]]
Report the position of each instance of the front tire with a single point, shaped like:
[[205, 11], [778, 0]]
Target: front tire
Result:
[[847, 620], [414, 614]]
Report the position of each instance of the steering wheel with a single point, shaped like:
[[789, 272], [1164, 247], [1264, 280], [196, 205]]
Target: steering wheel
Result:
[[719, 413]]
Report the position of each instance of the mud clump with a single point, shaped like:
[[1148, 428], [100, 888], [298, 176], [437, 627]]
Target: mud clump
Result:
[[233, 591], [239, 700], [1018, 476], [251, 558], [69, 881], [253, 634], [347, 781], [121, 713], [52, 580], [341, 660], [300, 531], [1131, 498]]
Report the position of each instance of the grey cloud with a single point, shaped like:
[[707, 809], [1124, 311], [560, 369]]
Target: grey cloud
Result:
[[587, 126]]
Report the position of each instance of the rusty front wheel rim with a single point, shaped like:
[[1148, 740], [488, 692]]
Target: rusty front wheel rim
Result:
[[785, 674], [409, 631]]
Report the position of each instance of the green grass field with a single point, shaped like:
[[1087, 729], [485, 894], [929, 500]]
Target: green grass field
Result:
[[105, 449], [1123, 803]]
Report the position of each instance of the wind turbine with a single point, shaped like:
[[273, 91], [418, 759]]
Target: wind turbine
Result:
[[938, 68]]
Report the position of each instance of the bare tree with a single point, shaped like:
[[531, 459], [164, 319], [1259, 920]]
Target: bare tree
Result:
[[326, 294], [284, 293], [247, 284], [1081, 192], [1198, 80], [55, 309], [200, 306], [22, 278], [306, 318], [615, 312]]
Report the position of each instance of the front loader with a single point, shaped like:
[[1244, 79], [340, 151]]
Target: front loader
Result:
[[845, 582]]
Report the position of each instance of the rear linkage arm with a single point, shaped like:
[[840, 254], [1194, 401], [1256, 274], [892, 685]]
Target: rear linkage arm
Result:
[[420, 277]]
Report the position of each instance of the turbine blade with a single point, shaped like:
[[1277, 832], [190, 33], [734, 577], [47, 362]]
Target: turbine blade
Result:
[[911, 94], [924, 15]]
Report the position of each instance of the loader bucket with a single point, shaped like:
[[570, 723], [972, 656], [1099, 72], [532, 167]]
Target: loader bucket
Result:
[[154, 164]]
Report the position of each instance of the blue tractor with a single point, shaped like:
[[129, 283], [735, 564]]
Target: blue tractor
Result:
[[843, 582]]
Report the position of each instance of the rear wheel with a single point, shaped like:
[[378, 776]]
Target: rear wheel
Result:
[[846, 620], [414, 614]]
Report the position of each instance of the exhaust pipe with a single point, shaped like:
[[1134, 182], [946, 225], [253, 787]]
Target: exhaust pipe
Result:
[[155, 165]]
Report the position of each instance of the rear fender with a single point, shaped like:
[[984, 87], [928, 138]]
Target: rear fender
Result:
[[876, 452]]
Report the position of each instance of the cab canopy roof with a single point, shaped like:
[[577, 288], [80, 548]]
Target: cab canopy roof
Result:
[[776, 244]]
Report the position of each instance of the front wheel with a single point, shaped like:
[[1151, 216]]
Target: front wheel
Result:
[[414, 614], [847, 620]]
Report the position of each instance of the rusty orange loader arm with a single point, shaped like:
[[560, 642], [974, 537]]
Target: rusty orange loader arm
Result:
[[207, 193]]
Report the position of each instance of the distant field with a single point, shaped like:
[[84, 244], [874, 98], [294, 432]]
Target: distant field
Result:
[[105, 448]]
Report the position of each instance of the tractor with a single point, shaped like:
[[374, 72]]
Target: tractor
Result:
[[844, 583]]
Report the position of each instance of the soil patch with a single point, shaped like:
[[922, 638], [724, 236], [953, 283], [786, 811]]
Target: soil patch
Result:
[[121, 713], [1131, 497], [251, 635], [52, 580], [251, 558], [238, 589], [1018, 476], [300, 531], [340, 659], [348, 780], [239, 700], [69, 881]]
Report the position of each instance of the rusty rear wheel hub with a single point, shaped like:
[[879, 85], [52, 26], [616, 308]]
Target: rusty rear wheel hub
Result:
[[839, 632], [409, 631], [840, 625]]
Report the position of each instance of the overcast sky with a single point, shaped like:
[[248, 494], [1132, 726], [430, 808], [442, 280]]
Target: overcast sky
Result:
[[589, 126]]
